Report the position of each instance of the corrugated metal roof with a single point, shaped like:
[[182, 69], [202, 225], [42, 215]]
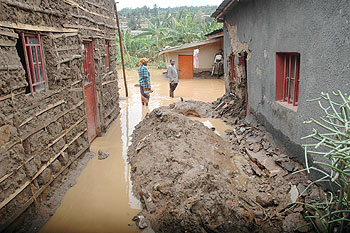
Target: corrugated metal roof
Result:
[[191, 45], [215, 32], [221, 8]]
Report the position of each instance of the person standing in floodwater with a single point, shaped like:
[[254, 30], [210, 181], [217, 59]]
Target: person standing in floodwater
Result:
[[173, 77], [145, 81]]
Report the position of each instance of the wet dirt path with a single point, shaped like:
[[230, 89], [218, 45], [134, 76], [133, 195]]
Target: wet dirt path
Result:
[[102, 200]]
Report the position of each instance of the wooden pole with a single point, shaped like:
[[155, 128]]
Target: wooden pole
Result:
[[121, 49]]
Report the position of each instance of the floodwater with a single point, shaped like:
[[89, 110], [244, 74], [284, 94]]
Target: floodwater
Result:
[[102, 199]]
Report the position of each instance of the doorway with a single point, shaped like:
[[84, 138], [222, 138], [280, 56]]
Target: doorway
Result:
[[186, 66], [90, 90], [238, 82]]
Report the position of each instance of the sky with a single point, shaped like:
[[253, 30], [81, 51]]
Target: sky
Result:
[[165, 3]]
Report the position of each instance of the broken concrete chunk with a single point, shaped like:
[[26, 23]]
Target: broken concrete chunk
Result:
[[256, 169], [302, 191], [102, 155], [293, 193], [263, 161], [289, 166], [254, 139]]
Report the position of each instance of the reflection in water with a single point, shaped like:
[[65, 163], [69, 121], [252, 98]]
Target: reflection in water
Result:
[[102, 199]]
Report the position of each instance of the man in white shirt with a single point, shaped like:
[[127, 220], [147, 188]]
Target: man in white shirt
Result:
[[173, 77]]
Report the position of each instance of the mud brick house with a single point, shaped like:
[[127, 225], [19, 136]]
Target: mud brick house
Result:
[[58, 91], [281, 53], [184, 55]]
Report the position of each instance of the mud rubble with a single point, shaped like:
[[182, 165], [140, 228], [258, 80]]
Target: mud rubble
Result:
[[230, 108], [191, 180]]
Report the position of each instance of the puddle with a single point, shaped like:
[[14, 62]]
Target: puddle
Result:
[[102, 199], [218, 124]]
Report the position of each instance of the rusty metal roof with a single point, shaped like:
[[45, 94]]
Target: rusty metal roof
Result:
[[190, 45], [217, 31]]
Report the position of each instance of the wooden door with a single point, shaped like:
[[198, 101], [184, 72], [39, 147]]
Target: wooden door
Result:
[[186, 66], [90, 90]]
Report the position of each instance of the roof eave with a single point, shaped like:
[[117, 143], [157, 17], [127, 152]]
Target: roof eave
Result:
[[221, 11], [191, 45]]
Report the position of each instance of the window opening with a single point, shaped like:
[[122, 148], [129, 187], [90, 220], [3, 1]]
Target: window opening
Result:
[[287, 77], [33, 56]]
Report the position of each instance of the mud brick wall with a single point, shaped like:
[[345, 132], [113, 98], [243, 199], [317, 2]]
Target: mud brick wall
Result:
[[43, 133]]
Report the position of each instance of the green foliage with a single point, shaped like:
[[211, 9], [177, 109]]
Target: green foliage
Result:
[[332, 143], [132, 23], [166, 27]]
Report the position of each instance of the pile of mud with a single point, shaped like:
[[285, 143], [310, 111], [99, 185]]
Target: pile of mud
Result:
[[191, 180], [184, 177], [193, 108]]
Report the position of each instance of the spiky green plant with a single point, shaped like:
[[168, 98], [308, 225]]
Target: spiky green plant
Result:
[[331, 141]]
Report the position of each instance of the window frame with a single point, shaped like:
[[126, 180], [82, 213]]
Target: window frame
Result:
[[107, 60], [283, 77], [30, 65]]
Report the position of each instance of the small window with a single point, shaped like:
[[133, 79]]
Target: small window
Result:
[[287, 77], [107, 56], [35, 65]]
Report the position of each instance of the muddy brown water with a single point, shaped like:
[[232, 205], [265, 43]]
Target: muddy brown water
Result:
[[102, 199]]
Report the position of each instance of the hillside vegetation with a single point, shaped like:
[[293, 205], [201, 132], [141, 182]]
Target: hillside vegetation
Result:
[[159, 27]]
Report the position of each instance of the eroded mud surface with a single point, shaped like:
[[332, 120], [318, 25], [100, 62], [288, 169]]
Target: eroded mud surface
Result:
[[183, 175], [191, 180]]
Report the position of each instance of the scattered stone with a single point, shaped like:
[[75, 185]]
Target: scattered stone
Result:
[[256, 169], [293, 193], [256, 147], [289, 166], [140, 221], [102, 155], [254, 139], [263, 161], [264, 200]]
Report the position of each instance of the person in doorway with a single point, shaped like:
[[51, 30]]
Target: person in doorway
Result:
[[219, 56], [144, 81], [219, 63], [173, 77]]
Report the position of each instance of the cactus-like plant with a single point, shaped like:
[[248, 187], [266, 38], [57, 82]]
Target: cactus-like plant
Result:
[[331, 140]]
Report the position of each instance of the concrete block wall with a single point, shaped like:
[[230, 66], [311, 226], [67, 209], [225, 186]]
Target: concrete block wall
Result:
[[318, 30]]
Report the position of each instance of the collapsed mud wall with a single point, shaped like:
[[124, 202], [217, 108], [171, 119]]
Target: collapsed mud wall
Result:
[[42, 133], [237, 53]]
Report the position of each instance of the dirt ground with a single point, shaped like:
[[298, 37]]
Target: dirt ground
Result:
[[191, 180]]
